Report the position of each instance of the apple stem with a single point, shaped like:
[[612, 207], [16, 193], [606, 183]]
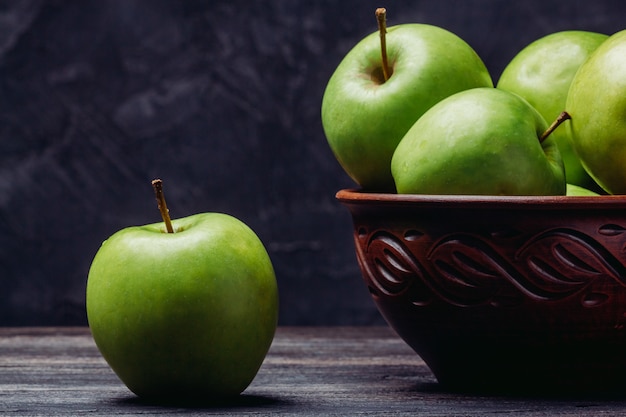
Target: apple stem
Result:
[[562, 117], [381, 17], [157, 184]]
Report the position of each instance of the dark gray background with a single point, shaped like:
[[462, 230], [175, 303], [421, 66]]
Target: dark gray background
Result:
[[219, 98]]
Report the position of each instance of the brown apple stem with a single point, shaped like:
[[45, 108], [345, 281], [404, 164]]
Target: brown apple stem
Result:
[[562, 117], [381, 17], [160, 197]]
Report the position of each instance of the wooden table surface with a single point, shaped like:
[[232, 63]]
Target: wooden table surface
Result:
[[339, 371]]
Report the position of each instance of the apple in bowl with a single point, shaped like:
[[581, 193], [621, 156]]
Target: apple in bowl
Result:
[[383, 85], [542, 73], [482, 141]]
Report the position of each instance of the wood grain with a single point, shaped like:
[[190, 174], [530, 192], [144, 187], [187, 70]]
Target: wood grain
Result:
[[309, 371]]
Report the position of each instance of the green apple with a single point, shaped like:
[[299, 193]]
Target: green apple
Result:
[[577, 190], [183, 315], [483, 141], [541, 73], [364, 115], [596, 102]]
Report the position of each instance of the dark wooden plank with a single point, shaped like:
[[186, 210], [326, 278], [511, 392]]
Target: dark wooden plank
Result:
[[309, 371]]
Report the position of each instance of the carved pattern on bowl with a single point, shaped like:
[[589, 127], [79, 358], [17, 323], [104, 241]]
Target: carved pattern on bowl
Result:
[[468, 269]]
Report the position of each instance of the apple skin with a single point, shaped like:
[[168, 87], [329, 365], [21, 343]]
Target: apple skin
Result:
[[542, 73], [185, 315], [574, 190], [483, 141], [596, 102], [364, 118]]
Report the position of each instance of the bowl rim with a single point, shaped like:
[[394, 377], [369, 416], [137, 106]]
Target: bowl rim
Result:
[[355, 196]]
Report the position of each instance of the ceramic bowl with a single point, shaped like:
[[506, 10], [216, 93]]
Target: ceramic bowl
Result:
[[510, 294]]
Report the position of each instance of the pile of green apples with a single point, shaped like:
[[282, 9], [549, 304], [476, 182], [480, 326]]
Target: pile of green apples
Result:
[[413, 109]]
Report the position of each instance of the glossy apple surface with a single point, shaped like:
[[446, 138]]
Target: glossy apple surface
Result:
[[483, 141], [542, 73], [364, 117], [189, 314], [596, 102]]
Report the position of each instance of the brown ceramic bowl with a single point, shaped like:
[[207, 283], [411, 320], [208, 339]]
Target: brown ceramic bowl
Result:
[[509, 294]]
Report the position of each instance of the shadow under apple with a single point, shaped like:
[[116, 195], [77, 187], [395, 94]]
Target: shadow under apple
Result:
[[242, 401]]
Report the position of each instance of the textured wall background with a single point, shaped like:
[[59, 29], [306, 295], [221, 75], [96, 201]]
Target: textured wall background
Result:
[[220, 99]]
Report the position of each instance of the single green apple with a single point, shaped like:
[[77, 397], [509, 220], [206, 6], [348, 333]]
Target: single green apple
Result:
[[596, 102], [542, 73], [578, 191], [364, 115], [482, 141], [183, 315]]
